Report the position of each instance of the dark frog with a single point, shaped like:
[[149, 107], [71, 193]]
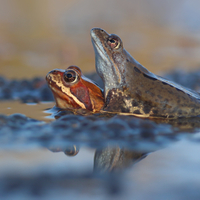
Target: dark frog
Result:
[[131, 88]]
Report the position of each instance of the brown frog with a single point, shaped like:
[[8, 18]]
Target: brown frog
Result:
[[73, 91], [131, 88]]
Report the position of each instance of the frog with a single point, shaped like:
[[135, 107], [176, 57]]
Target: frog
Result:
[[73, 91], [130, 88]]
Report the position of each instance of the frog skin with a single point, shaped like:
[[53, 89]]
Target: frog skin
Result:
[[73, 91], [131, 88]]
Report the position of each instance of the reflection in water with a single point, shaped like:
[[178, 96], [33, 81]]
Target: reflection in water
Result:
[[116, 158], [71, 150], [76, 174], [112, 159], [108, 159], [172, 172], [184, 124]]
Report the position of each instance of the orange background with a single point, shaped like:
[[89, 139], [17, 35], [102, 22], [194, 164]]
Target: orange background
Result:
[[38, 36]]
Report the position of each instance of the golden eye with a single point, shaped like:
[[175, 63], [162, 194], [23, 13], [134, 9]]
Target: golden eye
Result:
[[70, 76], [114, 43]]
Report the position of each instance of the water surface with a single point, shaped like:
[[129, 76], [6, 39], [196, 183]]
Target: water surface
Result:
[[34, 160]]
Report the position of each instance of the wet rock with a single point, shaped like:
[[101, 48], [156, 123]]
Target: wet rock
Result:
[[2, 81], [46, 94], [92, 130], [7, 93], [30, 98], [17, 117], [97, 131], [147, 134], [25, 85], [117, 127], [188, 79], [3, 120]]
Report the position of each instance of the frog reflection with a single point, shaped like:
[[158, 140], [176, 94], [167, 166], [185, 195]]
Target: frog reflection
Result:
[[108, 159], [111, 159], [70, 150]]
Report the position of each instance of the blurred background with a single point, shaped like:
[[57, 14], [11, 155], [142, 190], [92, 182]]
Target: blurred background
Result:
[[38, 36]]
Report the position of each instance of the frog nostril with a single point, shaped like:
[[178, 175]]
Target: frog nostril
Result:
[[48, 76]]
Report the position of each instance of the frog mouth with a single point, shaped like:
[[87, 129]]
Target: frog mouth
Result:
[[61, 100], [64, 101]]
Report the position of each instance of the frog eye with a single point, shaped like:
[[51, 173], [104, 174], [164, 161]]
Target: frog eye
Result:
[[70, 76], [113, 43]]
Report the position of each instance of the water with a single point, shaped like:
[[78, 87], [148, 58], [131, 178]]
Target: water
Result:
[[96, 156], [32, 110], [33, 166]]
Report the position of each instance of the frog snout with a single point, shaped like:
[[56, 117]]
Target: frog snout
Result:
[[52, 72]]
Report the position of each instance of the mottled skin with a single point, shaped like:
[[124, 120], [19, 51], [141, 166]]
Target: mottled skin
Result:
[[73, 91], [131, 88]]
